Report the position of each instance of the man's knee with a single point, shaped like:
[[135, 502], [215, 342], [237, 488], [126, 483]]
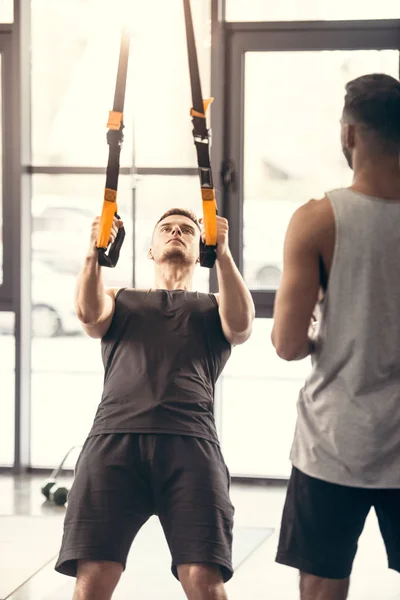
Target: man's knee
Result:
[[96, 580], [317, 588], [201, 577]]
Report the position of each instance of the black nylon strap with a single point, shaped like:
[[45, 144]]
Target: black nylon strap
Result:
[[116, 137], [120, 86], [109, 257], [197, 96], [200, 132]]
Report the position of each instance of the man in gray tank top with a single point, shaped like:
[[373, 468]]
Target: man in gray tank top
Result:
[[341, 256], [153, 448]]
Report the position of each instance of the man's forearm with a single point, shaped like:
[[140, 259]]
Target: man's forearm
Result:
[[307, 350], [89, 291], [236, 305], [290, 351]]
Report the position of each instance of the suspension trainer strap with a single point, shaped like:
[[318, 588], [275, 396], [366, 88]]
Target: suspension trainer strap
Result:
[[202, 141], [108, 254]]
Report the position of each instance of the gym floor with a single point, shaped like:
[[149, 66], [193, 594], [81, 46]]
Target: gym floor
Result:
[[258, 578]]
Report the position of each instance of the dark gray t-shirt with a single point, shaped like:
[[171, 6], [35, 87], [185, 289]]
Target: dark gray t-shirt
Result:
[[162, 356]]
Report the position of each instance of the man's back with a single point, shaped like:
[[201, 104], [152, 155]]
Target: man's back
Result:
[[349, 409]]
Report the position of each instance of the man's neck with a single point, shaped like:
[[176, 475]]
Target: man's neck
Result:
[[379, 180], [172, 277]]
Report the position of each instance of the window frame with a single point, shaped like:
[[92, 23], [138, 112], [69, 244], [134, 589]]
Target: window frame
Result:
[[7, 116]]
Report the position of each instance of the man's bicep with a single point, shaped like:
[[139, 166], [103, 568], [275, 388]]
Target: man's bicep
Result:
[[298, 291], [98, 330]]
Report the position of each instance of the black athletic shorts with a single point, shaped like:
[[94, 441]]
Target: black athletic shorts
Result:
[[123, 479], [322, 522]]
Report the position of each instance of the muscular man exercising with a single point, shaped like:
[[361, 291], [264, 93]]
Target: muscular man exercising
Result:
[[153, 447], [346, 450]]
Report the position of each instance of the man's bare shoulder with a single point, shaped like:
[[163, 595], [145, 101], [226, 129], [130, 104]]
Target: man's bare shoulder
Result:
[[318, 208], [315, 217], [112, 292]]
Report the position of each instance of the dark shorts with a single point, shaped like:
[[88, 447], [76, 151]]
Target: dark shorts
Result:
[[123, 479], [322, 522]]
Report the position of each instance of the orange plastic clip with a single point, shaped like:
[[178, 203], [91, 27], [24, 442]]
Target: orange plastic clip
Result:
[[206, 104], [114, 120]]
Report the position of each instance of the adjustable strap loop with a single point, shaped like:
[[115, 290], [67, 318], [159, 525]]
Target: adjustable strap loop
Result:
[[108, 254], [202, 141]]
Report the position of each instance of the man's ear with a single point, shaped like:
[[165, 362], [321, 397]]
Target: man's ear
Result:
[[150, 254], [350, 136]]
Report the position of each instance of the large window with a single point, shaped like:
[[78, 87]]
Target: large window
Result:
[[67, 373], [285, 94], [292, 151], [66, 365], [258, 412], [310, 10], [72, 92], [73, 84], [69, 111], [6, 11]]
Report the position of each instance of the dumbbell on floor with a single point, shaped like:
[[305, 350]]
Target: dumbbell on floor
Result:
[[55, 493], [52, 490], [47, 487]]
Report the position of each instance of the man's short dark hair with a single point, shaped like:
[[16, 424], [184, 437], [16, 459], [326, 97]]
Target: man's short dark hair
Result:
[[183, 212], [374, 102]]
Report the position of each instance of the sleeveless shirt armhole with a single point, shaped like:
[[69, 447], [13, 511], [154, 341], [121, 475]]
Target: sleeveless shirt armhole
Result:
[[104, 338], [335, 209], [215, 301], [213, 298], [118, 293]]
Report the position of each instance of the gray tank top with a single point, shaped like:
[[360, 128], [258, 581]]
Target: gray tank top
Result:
[[348, 426], [162, 356]]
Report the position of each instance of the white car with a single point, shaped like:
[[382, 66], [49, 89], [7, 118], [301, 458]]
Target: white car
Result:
[[53, 310]]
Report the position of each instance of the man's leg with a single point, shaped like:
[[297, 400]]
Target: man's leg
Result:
[[191, 490], [321, 524], [387, 507], [108, 503], [96, 580], [202, 582], [317, 588]]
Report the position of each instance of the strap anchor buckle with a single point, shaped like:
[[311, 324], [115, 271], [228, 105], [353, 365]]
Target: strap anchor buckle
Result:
[[115, 137], [200, 138], [206, 179]]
